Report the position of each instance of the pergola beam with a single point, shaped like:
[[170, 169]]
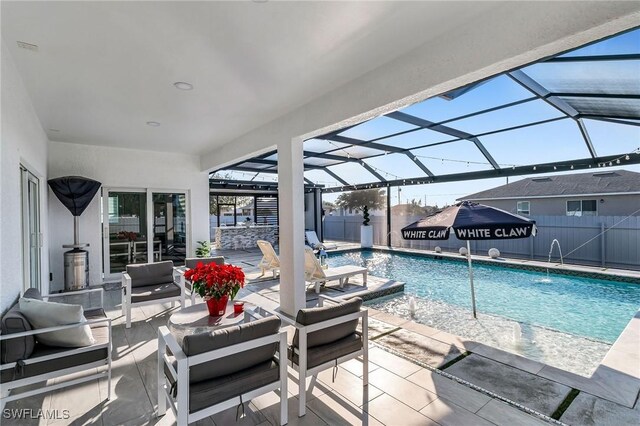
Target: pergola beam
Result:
[[594, 58], [358, 142], [581, 164], [335, 176], [426, 124], [372, 171], [616, 120], [542, 93], [555, 101], [329, 156], [419, 164], [586, 137], [594, 95]]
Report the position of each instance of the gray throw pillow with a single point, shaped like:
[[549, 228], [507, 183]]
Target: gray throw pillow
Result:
[[49, 314]]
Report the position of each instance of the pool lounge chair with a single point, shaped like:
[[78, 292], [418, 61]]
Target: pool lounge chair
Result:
[[270, 260], [314, 242], [315, 274]]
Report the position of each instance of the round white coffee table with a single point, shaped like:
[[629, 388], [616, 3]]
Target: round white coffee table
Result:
[[195, 319]]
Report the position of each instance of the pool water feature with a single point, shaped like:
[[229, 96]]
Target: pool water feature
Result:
[[547, 318]]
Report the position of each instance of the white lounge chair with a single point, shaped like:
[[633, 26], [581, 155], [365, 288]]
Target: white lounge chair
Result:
[[315, 274], [314, 242], [270, 260]]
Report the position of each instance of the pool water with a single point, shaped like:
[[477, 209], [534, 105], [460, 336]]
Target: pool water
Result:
[[592, 308]]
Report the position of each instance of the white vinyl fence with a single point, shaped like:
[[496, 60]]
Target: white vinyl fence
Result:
[[611, 246]]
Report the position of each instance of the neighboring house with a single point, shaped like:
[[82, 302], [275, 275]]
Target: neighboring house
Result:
[[597, 193]]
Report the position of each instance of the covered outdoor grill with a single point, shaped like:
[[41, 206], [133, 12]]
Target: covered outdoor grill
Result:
[[75, 192]]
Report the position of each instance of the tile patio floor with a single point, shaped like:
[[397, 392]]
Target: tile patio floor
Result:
[[400, 392]]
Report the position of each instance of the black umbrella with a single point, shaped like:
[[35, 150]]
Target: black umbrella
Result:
[[471, 221]]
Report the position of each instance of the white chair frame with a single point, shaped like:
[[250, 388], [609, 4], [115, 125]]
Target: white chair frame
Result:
[[179, 272], [180, 406], [270, 260], [303, 332], [5, 388], [126, 297]]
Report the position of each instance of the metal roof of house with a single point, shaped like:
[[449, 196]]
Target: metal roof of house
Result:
[[556, 115], [600, 182]]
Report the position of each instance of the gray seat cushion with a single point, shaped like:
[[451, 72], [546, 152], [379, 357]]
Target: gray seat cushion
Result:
[[100, 334], [192, 262], [210, 392], [14, 322], [146, 274], [334, 350], [206, 342], [310, 316], [154, 292]]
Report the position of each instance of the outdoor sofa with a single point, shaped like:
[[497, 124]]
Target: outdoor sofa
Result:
[[25, 360]]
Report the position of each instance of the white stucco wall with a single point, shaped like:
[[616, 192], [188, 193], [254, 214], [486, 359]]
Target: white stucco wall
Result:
[[22, 141], [119, 168]]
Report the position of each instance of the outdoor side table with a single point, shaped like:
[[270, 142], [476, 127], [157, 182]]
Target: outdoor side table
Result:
[[195, 319]]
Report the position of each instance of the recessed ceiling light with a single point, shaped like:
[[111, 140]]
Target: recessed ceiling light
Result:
[[183, 85], [153, 123]]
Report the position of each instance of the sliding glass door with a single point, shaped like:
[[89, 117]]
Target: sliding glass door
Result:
[[124, 229], [31, 235], [141, 226], [170, 226]]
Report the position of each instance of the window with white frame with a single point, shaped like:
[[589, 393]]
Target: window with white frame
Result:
[[523, 207], [582, 208]]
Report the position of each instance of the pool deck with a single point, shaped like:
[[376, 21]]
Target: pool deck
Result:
[[609, 396]]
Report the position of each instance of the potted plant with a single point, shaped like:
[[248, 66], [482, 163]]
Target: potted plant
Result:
[[216, 284], [203, 249], [366, 230]]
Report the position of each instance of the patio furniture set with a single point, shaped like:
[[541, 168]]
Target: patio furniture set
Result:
[[204, 365]]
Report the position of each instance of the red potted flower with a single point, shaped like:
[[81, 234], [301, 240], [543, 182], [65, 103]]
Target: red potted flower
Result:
[[216, 284]]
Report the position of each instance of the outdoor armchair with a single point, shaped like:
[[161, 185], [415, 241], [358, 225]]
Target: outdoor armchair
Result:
[[214, 371], [325, 337], [270, 260], [315, 274], [26, 361], [150, 284], [190, 263]]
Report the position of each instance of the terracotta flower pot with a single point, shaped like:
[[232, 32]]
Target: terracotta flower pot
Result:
[[217, 307]]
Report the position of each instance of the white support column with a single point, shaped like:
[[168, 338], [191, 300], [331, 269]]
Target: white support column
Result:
[[291, 222]]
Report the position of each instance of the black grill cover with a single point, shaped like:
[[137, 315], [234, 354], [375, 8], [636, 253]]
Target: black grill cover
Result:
[[75, 192]]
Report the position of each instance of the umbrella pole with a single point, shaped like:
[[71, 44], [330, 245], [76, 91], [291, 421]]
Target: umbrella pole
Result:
[[473, 293]]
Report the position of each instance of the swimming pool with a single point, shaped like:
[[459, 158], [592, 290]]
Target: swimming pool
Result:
[[592, 308]]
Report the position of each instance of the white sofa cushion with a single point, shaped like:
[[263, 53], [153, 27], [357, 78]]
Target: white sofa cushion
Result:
[[42, 314]]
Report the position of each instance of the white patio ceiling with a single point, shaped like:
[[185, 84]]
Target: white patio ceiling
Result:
[[104, 69]]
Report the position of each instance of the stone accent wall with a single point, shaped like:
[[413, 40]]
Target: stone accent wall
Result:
[[236, 237]]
